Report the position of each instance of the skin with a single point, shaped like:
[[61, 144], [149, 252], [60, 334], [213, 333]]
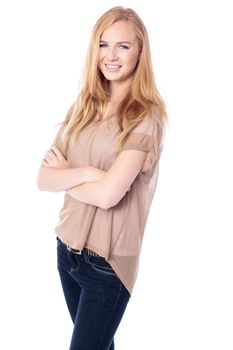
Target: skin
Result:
[[64, 177], [118, 48], [54, 158]]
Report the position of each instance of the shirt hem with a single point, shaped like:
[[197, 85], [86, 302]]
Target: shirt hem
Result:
[[120, 275], [110, 261], [88, 246]]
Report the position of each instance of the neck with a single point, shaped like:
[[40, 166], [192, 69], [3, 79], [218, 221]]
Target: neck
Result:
[[117, 90]]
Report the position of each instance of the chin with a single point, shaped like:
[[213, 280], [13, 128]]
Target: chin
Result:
[[111, 77]]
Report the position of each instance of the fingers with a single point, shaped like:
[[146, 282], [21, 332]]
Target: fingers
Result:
[[54, 153], [50, 156], [45, 163], [57, 152], [55, 158]]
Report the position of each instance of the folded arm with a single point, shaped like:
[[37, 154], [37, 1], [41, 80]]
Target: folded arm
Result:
[[54, 174], [107, 192], [88, 184]]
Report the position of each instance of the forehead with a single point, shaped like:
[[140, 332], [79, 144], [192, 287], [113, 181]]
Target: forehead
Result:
[[119, 31]]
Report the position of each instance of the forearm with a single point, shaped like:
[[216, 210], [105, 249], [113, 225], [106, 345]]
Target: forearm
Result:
[[60, 179], [98, 193], [90, 193]]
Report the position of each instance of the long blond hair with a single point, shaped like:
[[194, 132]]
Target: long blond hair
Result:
[[137, 104]]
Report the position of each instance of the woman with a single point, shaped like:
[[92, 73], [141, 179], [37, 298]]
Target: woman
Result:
[[105, 157]]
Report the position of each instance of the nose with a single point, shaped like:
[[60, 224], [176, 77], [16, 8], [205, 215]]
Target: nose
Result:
[[112, 54]]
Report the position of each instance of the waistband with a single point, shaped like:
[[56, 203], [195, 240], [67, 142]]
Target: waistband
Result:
[[77, 251]]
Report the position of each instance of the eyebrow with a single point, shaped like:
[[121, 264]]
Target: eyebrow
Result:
[[119, 42]]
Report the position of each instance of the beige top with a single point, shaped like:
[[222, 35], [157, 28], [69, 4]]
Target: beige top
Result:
[[115, 233]]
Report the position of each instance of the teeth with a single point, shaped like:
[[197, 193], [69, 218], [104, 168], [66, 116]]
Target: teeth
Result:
[[111, 66]]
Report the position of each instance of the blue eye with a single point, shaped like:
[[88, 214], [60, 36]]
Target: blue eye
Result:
[[124, 47]]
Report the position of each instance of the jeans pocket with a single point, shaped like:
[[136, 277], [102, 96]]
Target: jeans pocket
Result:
[[101, 266]]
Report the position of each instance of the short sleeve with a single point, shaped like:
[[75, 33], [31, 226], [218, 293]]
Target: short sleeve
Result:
[[58, 141], [146, 136], [154, 153], [140, 138]]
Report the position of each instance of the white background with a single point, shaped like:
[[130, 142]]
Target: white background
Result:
[[183, 295]]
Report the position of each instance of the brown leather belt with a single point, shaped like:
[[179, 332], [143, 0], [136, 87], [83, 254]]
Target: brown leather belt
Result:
[[78, 251]]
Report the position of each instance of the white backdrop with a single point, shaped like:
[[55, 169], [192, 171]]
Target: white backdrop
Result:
[[183, 295]]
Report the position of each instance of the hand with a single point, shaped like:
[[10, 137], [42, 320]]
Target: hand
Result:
[[54, 158]]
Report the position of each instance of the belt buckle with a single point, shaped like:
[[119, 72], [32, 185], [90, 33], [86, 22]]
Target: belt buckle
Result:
[[72, 250], [79, 252]]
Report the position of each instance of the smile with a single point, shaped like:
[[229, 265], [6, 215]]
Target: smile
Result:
[[112, 67]]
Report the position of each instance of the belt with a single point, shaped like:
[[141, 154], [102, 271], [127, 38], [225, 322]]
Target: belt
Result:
[[78, 251]]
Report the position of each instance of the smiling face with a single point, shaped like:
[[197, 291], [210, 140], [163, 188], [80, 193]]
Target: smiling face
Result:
[[119, 53]]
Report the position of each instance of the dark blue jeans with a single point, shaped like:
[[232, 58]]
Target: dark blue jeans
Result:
[[95, 296]]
